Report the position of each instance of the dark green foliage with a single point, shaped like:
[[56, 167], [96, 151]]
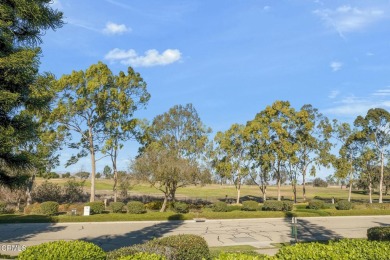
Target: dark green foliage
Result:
[[181, 207], [344, 205], [73, 191], [379, 233], [117, 207], [354, 249], [189, 247], [3, 207], [233, 207], [154, 205], [47, 191], [242, 256], [220, 206], [136, 207], [274, 205], [49, 208], [97, 207], [318, 182], [143, 256], [250, 205], [63, 250], [148, 247], [316, 204]]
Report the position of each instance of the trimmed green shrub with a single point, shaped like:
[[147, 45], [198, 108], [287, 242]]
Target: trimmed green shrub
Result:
[[233, 207], [143, 256], [154, 205], [49, 208], [250, 205], [357, 249], [344, 205], [77, 249], [220, 206], [242, 256], [274, 205], [97, 207], [379, 233], [316, 204], [181, 207], [189, 247], [117, 207], [148, 247], [136, 207], [3, 207], [33, 209]]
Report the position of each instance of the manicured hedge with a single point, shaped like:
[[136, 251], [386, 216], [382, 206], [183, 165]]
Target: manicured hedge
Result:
[[181, 207], [379, 233], [49, 208], [154, 205], [96, 207], [136, 207], [351, 249], [274, 205], [250, 205], [143, 256], [117, 207], [63, 250], [220, 206], [242, 256], [148, 247], [316, 204], [344, 205]]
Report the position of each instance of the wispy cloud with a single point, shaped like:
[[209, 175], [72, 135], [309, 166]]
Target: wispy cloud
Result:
[[352, 106], [266, 8], [333, 94], [113, 28], [346, 18], [149, 59], [335, 65]]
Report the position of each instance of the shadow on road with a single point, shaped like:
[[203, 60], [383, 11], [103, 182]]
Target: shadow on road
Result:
[[22, 232], [109, 243]]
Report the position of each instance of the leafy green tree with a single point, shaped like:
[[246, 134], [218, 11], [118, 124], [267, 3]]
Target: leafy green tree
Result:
[[107, 172], [83, 175], [376, 126], [231, 156], [24, 93]]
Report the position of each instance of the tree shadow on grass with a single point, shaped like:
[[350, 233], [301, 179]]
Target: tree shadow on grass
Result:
[[109, 243]]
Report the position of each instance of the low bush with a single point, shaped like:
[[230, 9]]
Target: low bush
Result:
[[154, 205], [242, 256], [136, 207], [273, 205], [63, 250], [148, 247], [344, 205], [143, 256], [117, 207], [49, 208], [250, 205], [189, 247], [220, 206], [181, 207], [233, 207], [379, 233], [3, 207], [47, 191], [335, 250], [33, 209], [316, 204], [96, 207]]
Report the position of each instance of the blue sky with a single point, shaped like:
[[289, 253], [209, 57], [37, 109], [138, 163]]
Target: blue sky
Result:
[[231, 58]]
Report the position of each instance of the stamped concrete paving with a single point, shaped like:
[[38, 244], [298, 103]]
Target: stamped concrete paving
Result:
[[259, 233]]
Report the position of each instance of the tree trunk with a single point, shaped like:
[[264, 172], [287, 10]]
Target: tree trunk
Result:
[[295, 191], [381, 179], [238, 186], [304, 184], [115, 186], [164, 205], [264, 193], [93, 164], [350, 190], [29, 190], [279, 184], [370, 191]]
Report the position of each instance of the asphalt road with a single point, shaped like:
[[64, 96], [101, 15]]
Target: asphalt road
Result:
[[259, 233]]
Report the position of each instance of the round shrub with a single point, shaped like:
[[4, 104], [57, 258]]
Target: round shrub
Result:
[[97, 207], [49, 208], [316, 204], [233, 207], [344, 205], [220, 206], [250, 205], [181, 207], [33, 209], [242, 256], [143, 256], [63, 250], [189, 247], [148, 247], [274, 205], [117, 207], [154, 205], [379, 233], [136, 207], [3, 207]]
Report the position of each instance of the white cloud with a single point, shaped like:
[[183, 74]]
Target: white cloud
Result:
[[335, 65], [382, 92], [113, 28], [334, 94], [349, 19], [151, 57], [267, 8]]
